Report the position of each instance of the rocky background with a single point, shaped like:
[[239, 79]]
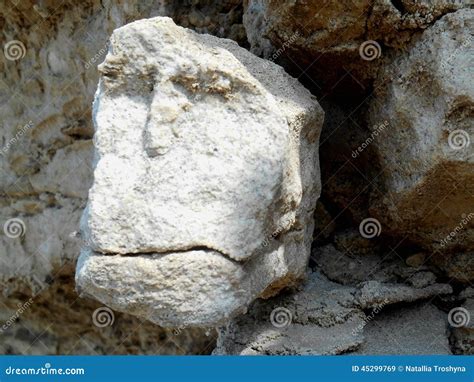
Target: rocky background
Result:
[[392, 266]]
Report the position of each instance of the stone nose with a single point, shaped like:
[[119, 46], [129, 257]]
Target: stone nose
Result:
[[204, 199]]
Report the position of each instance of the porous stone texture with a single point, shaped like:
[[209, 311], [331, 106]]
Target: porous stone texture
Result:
[[427, 157], [206, 177], [48, 76], [418, 329], [47, 84], [54, 321], [46, 96], [327, 318], [324, 38], [357, 300]]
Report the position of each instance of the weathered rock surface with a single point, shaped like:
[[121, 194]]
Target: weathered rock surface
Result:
[[329, 318], [327, 40], [54, 321], [320, 319], [47, 84], [48, 77], [426, 154], [414, 330], [206, 177]]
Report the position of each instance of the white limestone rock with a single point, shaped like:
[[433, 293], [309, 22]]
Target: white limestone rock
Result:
[[203, 151]]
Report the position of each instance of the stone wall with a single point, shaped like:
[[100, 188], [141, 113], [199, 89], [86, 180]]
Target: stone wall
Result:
[[395, 217]]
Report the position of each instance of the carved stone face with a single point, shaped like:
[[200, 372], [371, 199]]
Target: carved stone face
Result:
[[199, 161]]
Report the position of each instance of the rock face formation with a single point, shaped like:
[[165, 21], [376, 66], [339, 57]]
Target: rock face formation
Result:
[[206, 177], [48, 75], [393, 78], [47, 83]]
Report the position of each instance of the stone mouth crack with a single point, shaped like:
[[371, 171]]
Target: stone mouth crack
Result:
[[152, 253]]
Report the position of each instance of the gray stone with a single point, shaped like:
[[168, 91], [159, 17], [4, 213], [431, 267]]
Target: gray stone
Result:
[[415, 330], [329, 318]]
